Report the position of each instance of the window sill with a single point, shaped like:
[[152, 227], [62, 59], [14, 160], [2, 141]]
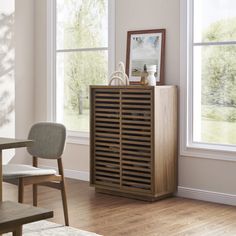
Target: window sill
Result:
[[80, 138], [216, 152]]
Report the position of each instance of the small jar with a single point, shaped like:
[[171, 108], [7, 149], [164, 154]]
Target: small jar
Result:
[[151, 70]]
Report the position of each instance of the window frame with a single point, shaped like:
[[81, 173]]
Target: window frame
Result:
[[187, 146], [76, 137]]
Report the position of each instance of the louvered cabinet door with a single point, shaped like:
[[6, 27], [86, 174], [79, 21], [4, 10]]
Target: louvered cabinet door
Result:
[[106, 112], [136, 140]]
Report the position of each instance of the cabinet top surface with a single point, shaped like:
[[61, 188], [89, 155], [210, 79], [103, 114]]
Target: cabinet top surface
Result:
[[131, 87]]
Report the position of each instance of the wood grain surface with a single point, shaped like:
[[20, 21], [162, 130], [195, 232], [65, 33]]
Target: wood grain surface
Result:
[[115, 216]]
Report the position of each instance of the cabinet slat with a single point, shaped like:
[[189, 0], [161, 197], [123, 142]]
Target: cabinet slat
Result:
[[107, 130], [107, 100], [113, 185], [135, 106], [107, 169], [134, 117], [136, 147], [107, 105], [136, 189], [135, 168], [106, 109], [108, 179], [108, 154], [110, 139], [108, 95], [107, 174], [110, 145], [135, 173], [109, 165], [140, 122], [136, 127], [101, 134], [141, 142], [98, 158], [137, 91], [148, 181], [112, 120], [137, 153], [135, 163], [131, 137], [136, 132], [143, 112], [136, 95], [137, 158], [106, 91], [135, 101], [106, 115], [136, 184]]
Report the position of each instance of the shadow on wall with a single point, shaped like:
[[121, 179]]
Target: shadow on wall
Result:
[[7, 79]]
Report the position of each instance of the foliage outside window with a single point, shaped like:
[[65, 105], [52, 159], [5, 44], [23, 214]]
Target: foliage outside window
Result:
[[81, 58], [213, 49]]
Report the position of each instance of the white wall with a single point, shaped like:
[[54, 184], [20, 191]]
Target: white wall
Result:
[[40, 60], [7, 73], [206, 174], [24, 70], [151, 14], [196, 173]]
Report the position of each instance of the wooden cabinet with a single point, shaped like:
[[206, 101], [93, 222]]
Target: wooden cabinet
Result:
[[133, 140]]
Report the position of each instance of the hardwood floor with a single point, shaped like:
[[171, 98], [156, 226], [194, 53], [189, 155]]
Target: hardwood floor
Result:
[[111, 216]]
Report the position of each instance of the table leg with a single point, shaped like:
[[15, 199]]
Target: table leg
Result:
[[17, 231], [0, 175]]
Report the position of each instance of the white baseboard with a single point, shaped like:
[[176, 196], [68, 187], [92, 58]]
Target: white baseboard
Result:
[[73, 174], [192, 193], [204, 195]]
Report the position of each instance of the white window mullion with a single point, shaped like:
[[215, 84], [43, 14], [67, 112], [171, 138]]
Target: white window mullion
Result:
[[215, 43], [111, 35], [190, 33]]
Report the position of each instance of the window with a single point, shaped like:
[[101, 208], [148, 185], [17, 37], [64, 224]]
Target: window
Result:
[[82, 55], [210, 36]]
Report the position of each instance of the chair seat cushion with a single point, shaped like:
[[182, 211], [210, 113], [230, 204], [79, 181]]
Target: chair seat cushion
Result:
[[12, 171]]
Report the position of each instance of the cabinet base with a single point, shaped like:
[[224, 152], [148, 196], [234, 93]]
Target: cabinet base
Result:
[[148, 198]]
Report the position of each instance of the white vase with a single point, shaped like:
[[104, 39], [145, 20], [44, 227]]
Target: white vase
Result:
[[151, 77]]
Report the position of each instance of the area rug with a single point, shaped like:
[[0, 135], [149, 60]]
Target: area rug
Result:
[[47, 228]]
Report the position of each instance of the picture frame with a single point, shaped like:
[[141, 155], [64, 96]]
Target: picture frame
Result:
[[144, 48]]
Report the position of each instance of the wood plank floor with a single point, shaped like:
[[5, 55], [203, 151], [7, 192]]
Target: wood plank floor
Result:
[[111, 216]]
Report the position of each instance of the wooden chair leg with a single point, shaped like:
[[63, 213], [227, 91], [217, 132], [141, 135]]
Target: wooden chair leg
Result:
[[64, 202], [21, 190], [35, 195], [63, 191]]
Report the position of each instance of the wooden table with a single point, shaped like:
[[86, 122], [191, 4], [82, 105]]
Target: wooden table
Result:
[[13, 215], [8, 143]]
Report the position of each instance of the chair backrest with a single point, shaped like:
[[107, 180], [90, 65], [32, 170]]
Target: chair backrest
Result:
[[49, 140]]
